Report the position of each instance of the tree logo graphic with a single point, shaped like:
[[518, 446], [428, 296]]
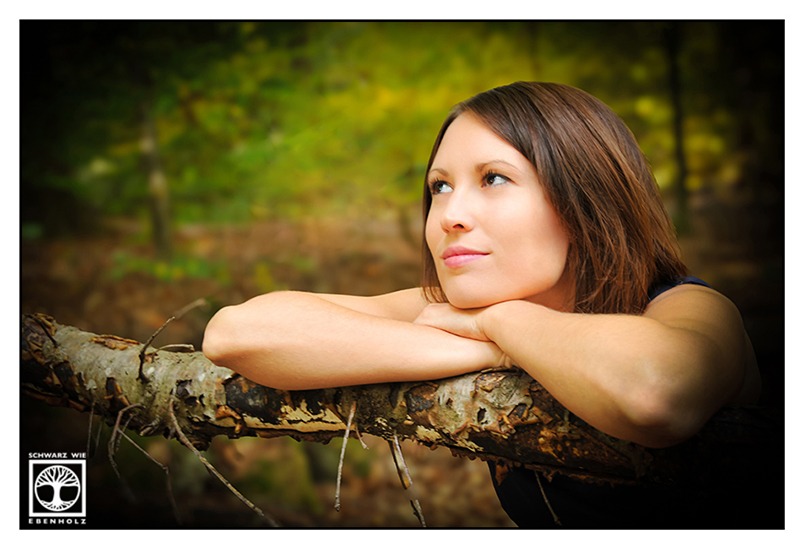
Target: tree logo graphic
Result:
[[57, 478], [56, 488]]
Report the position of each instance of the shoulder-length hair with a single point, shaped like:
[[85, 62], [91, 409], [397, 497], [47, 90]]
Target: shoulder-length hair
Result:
[[599, 182]]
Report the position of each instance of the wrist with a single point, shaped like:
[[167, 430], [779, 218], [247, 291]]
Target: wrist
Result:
[[469, 354], [501, 319]]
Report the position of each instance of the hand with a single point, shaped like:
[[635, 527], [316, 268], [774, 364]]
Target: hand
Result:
[[461, 322], [466, 323]]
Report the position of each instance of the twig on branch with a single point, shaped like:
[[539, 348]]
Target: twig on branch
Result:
[[112, 449], [178, 348], [343, 453], [547, 502], [118, 433], [168, 483], [90, 448], [405, 477], [186, 442], [360, 439], [89, 429], [46, 329], [192, 305], [114, 441]]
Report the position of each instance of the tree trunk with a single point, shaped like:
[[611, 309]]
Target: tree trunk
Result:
[[158, 194], [499, 414]]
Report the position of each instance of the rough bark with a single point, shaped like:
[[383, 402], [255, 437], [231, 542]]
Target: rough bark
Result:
[[494, 415]]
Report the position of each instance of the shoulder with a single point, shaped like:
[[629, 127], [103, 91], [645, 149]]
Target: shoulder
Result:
[[699, 309], [661, 287], [694, 303], [713, 318]]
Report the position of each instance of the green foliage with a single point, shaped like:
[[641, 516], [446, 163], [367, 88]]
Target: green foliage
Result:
[[31, 231], [295, 119], [179, 268], [287, 481], [263, 277]]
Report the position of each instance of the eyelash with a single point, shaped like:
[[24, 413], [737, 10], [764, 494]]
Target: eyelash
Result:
[[485, 178], [490, 174], [434, 184]]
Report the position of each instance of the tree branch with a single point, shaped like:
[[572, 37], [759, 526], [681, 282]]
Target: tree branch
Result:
[[494, 415]]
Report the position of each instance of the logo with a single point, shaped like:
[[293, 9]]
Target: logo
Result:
[[57, 488]]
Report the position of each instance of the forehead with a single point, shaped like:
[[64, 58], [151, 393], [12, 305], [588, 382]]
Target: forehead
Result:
[[469, 139]]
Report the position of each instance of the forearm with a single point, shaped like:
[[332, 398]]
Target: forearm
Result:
[[296, 340], [627, 375]]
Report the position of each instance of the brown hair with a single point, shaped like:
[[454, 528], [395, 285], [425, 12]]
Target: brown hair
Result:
[[596, 177]]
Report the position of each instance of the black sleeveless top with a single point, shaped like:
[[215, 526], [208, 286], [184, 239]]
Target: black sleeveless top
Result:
[[531, 500]]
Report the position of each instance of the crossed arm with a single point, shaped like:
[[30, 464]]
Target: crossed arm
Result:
[[653, 378], [294, 340]]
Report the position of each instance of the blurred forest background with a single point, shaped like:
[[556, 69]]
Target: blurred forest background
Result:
[[166, 161]]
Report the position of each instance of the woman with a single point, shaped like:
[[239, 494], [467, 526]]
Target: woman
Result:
[[546, 246]]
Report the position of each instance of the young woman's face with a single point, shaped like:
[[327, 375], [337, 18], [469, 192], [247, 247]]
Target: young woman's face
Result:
[[491, 230]]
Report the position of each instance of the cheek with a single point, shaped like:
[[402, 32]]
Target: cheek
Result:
[[548, 245], [554, 236]]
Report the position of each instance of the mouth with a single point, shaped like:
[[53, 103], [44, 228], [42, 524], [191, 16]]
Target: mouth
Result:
[[457, 256]]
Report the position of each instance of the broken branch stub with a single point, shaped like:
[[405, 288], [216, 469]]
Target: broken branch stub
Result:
[[501, 415]]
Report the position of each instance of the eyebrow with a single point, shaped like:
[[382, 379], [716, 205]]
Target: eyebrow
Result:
[[480, 167]]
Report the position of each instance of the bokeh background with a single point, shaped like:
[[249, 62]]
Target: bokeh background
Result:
[[165, 161]]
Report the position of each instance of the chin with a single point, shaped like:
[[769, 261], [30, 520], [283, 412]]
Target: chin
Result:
[[471, 301], [476, 300]]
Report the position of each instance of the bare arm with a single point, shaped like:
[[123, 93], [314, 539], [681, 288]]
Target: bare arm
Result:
[[654, 379], [295, 340]]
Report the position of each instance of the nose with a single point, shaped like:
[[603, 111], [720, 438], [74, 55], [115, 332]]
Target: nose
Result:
[[458, 213]]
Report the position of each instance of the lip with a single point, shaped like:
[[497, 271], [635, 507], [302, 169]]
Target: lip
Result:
[[457, 256]]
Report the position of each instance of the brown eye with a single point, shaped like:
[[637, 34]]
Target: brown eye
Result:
[[440, 187], [492, 180]]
